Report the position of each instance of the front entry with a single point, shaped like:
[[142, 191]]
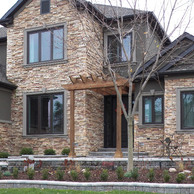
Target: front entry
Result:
[[110, 112]]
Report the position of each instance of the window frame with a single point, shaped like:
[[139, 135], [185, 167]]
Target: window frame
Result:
[[41, 2], [133, 55], [25, 113], [42, 29], [39, 32], [119, 47], [153, 98], [182, 109]]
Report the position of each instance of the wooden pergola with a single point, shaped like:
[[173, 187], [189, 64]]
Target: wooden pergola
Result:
[[101, 84]]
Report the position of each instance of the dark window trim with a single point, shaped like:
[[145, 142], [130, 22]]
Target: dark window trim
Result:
[[107, 49], [39, 113], [182, 110], [153, 115], [39, 44], [41, 7]]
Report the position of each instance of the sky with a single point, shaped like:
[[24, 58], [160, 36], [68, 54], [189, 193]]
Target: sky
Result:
[[178, 24]]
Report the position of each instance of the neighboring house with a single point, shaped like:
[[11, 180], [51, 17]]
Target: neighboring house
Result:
[[48, 41]]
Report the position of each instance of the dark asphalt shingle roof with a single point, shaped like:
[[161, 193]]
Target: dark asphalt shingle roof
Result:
[[115, 11]]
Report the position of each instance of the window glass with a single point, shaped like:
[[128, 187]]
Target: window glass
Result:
[[153, 109], [45, 114], [33, 115], [33, 47], [57, 113], [46, 46], [148, 110], [158, 109], [58, 44], [188, 110], [115, 49]]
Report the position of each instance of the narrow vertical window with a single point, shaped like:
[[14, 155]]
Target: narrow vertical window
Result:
[[45, 6], [33, 47]]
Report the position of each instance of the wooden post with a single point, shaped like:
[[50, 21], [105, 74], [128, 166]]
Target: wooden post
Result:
[[72, 126], [118, 153]]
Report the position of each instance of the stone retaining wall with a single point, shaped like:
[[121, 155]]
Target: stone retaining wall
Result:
[[108, 186]]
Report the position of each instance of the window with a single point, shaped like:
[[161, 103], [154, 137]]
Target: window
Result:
[[45, 45], [45, 6], [115, 51], [153, 109], [45, 114], [187, 110]]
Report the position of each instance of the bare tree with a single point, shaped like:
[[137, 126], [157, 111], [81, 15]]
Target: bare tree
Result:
[[143, 29]]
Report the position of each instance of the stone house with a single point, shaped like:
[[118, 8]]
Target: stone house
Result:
[[49, 41]]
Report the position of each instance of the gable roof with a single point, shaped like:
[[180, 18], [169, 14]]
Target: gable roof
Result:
[[106, 11], [177, 61]]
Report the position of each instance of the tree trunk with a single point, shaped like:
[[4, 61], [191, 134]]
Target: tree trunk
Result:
[[130, 144]]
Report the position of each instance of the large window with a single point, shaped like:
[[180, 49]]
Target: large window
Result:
[[116, 52], [153, 109], [45, 114], [187, 110], [45, 45]]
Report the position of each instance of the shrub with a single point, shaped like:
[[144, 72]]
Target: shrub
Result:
[[104, 175], [59, 174], [87, 174], [45, 174], [192, 176], [49, 152], [127, 174], [166, 176], [151, 174], [4, 155], [7, 173], [30, 173], [65, 151], [15, 172], [0, 174], [120, 173], [180, 177], [74, 175], [134, 174], [26, 151]]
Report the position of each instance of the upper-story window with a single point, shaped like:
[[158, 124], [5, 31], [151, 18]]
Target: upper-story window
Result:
[[45, 45], [153, 109], [117, 52], [187, 110], [45, 6]]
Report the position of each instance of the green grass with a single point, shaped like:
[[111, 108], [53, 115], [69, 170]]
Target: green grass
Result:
[[51, 191]]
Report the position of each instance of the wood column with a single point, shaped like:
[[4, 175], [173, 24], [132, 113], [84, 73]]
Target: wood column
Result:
[[118, 153], [72, 125]]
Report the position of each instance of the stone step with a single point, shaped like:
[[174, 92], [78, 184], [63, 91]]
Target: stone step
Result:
[[108, 153]]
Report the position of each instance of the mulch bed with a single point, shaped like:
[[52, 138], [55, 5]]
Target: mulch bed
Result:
[[95, 176]]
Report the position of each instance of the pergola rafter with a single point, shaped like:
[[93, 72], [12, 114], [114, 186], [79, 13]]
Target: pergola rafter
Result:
[[101, 84]]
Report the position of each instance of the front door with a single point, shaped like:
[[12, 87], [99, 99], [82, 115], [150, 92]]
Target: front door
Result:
[[110, 118]]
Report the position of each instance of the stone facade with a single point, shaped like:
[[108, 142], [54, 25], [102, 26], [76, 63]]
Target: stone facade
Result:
[[148, 138], [185, 138], [81, 59]]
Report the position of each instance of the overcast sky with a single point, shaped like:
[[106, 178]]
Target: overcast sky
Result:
[[157, 6]]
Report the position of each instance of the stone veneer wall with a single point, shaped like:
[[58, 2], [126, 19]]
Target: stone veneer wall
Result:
[[148, 139], [5, 140], [186, 138], [52, 77]]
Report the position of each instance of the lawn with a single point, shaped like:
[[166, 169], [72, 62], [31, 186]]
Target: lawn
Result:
[[51, 191]]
